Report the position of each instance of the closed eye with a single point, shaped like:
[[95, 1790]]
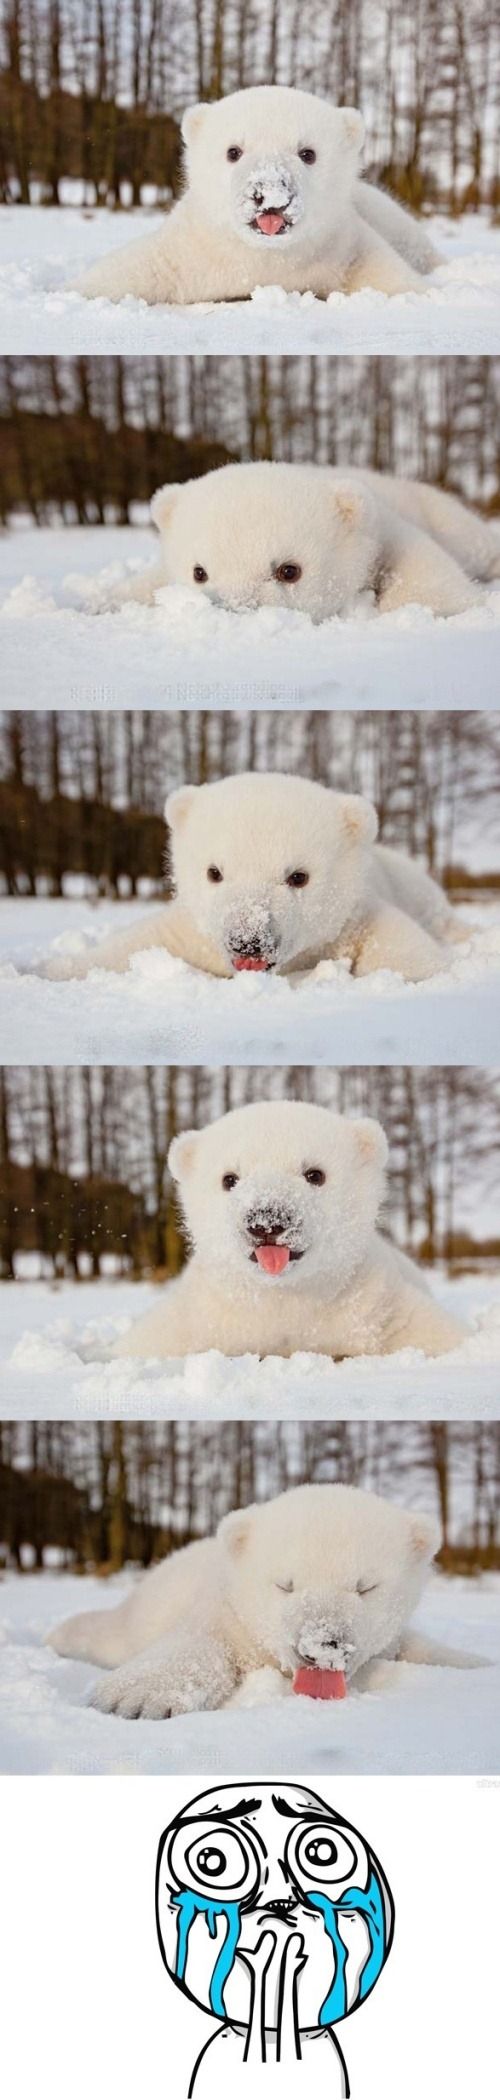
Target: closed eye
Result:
[[286, 1586], [365, 1589]]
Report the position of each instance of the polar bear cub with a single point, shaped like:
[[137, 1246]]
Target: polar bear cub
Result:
[[275, 873], [326, 1575], [281, 1200], [316, 540], [272, 197]]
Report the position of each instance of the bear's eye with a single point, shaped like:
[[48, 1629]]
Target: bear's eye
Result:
[[229, 1181], [234, 153], [286, 1585], [365, 1589], [214, 874], [199, 574], [297, 880], [288, 572], [308, 155], [315, 1177]]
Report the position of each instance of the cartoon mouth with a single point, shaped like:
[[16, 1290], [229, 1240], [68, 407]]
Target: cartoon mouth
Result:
[[274, 1259], [270, 223]]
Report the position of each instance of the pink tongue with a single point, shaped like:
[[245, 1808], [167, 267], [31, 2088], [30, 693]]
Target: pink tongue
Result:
[[320, 1684], [249, 963], [270, 221], [273, 1259]]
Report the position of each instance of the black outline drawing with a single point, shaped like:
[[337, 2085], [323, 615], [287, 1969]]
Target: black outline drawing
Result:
[[282, 2040]]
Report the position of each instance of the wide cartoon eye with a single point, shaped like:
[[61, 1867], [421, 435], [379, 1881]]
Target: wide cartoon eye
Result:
[[214, 874], [315, 1176], [319, 1856], [199, 574], [308, 155], [298, 879], [234, 153], [288, 572], [229, 1181], [214, 1859]]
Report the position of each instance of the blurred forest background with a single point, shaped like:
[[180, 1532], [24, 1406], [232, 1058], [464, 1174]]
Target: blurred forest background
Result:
[[84, 1188], [87, 440], [93, 1495], [91, 91], [82, 795]]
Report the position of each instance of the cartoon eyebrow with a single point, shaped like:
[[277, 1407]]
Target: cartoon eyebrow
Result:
[[240, 1808], [302, 1815]]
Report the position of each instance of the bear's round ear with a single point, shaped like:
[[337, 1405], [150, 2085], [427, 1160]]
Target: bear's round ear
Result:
[[163, 504], [425, 1535], [234, 1530], [353, 127], [359, 819], [192, 120], [177, 805], [181, 1154], [349, 500], [371, 1142]]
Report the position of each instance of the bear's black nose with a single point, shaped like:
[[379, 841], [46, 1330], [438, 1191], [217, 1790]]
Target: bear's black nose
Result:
[[258, 196], [266, 1226], [252, 950]]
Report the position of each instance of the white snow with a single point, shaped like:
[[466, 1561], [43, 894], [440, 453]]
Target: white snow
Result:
[[42, 251], [161, 1009], [60, 650], [55, 1340], [427, 1720]]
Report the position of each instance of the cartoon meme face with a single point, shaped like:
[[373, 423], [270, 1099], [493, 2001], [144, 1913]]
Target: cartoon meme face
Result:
[[273, 1913]]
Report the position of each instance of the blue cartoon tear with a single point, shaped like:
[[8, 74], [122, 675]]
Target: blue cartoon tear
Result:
[[370, 1903], [190, 1907]]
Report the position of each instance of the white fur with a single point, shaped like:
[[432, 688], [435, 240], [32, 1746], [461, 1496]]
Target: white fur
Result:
[[219, 1623], [361, 900], [345, 1291], [349, 533], [340, 234]]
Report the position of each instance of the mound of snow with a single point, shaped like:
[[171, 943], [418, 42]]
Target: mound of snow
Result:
[[164, 1010], [157, 656], [56, 1343], [44, 251]]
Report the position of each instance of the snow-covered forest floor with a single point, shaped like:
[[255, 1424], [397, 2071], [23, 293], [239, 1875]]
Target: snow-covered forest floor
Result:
[[56, 1338], [427, 1720], [161, 1009], [43, 250], [186, 652]]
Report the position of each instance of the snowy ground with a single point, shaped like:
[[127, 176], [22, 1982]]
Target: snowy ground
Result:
[[186, 652], [163, 1010], [55, 1341], [43, 250], [428, 1720]]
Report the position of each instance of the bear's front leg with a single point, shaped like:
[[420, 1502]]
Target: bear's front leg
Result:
[[377, 267], [421, 1324], [393, 941], [178, 1676], [421, 573]]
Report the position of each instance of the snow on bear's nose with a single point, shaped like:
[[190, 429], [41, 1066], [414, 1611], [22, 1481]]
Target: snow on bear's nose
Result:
[[270, 201]]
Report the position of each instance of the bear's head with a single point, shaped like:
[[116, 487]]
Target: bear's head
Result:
[[272, 164], [281, 1195], [326, 1575], [305, 538], [270, 867]]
